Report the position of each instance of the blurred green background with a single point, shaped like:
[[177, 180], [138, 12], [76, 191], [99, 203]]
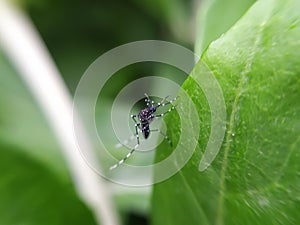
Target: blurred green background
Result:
[[35, 184], [77, 32]]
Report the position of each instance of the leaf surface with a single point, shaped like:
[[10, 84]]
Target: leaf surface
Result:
[[255, 178]]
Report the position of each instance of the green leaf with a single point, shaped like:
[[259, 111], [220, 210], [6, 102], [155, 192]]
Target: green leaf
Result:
[[215, 17], [33, 195], [255, 178]]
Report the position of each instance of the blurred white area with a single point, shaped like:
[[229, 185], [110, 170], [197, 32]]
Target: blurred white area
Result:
[[27, 52]]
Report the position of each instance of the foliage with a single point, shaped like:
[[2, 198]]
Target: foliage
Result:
[[31, 194], [255, 178]]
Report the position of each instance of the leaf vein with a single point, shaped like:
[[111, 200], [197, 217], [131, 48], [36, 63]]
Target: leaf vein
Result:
[[230, 132]]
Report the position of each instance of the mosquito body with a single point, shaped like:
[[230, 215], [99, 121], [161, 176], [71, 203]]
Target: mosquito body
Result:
[[142, 123], [146, 116]]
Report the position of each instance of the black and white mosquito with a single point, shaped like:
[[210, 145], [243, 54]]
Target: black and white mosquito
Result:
[[142, 123]]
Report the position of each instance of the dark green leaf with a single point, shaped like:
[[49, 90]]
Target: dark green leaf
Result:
[[31, 194]]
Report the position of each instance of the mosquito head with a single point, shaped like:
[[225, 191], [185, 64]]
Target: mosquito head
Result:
[[152, 109]]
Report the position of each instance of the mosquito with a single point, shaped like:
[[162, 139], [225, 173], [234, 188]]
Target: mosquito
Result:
[[142, 123]]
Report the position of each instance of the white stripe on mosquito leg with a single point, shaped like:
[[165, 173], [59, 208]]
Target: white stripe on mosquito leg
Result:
[[123, 160], [169, 110], [137, 134], [129, 154], [169, 102], [113, 167]]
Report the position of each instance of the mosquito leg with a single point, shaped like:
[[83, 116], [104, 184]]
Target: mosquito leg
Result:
[[169, 102], [169, 110], [124, 159], [164, 135], [137, 125]]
